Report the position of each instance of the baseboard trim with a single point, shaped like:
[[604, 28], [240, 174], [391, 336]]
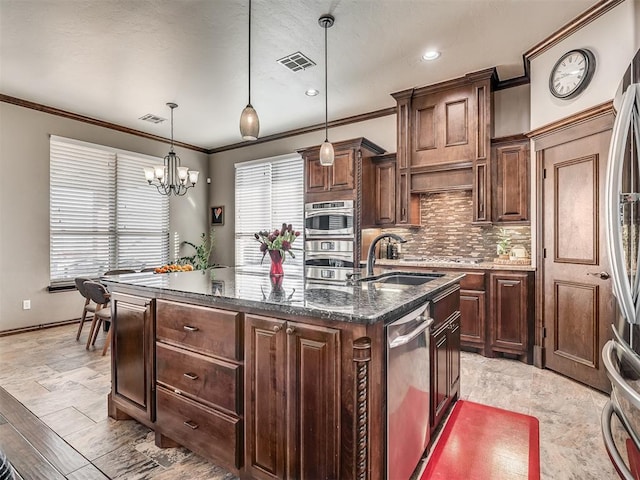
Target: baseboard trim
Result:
[[33, 328]]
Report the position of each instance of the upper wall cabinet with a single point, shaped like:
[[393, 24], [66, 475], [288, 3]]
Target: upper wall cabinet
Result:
[[444, 134], [340, 180], [511, 179]]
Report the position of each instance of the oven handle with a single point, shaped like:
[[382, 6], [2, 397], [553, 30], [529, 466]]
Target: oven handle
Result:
[[317, 213], [404, 339]]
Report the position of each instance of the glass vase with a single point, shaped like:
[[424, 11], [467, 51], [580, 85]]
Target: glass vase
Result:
[[276, 263]]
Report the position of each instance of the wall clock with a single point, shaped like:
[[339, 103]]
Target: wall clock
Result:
[[572, 73]]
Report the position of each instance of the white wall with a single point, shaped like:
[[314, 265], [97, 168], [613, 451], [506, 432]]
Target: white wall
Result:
[[381, 131], [612, 38], [511, 111], [24, 209]]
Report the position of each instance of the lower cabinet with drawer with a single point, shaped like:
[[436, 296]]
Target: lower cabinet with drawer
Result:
[[199, 375]]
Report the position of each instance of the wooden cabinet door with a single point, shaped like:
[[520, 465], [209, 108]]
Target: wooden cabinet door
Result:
[[439, 378], [313, 401], [265, 407], [316, 175], [509, 312], [511, 182], [454, 356], [132, 354], [385, 193], [472, 318], [340, 175], [443, 125]]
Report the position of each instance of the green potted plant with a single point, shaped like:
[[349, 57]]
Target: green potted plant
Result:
[[200, 259], [504, 244]]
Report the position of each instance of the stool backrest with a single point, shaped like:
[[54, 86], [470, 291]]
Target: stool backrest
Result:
[[80, 286], [97, 292]]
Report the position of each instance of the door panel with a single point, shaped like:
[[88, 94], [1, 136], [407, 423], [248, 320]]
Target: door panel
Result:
[[578, 306]]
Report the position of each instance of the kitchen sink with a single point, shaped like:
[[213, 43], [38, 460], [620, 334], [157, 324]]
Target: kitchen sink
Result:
[[403, 278]]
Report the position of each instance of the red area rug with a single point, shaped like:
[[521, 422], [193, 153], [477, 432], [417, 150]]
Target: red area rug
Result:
[[486, 443]]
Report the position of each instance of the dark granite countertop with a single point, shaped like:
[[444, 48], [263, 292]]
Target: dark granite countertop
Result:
[[364, 302]]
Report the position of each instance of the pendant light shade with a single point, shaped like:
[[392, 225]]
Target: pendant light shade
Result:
[[326, 150], [249, 122]]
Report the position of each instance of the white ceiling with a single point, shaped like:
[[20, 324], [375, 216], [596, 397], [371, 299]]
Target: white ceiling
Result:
[[116, 60]]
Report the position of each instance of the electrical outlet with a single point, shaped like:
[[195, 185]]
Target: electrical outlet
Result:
[[26, 304]]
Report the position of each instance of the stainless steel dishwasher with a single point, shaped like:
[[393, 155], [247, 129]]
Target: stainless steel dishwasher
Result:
[[408, 396]]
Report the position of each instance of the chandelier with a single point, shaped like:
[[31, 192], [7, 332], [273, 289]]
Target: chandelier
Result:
[[171, 177]]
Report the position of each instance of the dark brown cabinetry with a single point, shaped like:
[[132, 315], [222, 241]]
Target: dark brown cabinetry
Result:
[[132, 359], [444, 353], [340, 180], [199, 380], [445, 369], [472, 319], [444, 133], [292, 399], [511, 312], [382, 189], [511, 180]]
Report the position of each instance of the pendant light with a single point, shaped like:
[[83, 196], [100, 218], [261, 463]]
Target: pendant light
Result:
[[249, 122], [326, 150], [171, 178]]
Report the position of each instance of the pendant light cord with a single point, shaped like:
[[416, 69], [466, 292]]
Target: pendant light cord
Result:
[[249, 55], [172, 108], [326, 91]]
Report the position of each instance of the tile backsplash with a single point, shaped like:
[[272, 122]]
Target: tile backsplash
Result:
[[447, 230]]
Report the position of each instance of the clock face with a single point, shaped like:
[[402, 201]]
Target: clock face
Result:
[[572, 73]]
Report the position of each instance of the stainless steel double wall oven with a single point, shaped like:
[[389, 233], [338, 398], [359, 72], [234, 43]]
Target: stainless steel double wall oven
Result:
[[329, 240]]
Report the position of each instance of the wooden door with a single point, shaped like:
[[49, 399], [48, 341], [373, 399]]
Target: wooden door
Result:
[[265, 415], [385, 193], [509, 328], [340, 175], [316, 174], [578, 304], [512, 182], [313, 401]]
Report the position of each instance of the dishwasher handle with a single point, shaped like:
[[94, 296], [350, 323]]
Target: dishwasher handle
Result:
[[404, 339]]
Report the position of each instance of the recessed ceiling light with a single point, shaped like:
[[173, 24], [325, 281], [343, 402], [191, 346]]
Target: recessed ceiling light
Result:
[[312, 92], [430, 55]]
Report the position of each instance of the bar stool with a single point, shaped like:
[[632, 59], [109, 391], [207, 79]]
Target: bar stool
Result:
[[99, 294], [88, 306]]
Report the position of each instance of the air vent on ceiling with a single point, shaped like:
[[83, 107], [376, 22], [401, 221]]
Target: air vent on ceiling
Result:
[[149, 117], [296, 61]]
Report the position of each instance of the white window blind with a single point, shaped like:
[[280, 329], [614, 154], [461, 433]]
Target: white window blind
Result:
[[142, 216], [101, 217], [268, 193]]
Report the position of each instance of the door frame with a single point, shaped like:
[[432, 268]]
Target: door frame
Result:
[[588, 122]]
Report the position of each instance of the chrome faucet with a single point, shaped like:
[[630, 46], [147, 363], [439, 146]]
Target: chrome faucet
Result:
[[372, 249]]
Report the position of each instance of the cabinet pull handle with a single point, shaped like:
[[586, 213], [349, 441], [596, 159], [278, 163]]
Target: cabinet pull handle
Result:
[[189, 328], [192, 425], [190, 376], [290, 330]]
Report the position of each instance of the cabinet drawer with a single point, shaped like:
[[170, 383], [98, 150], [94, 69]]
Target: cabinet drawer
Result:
[[472, 281], [444, 304], [204, 378], [198, 428], [205, 329]]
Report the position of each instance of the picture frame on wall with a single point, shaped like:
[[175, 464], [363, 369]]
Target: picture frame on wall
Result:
[[217, 215]]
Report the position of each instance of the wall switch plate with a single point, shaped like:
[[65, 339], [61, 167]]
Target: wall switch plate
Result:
[[26, 304]]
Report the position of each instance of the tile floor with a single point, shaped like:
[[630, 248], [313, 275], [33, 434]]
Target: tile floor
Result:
[[66, 387]]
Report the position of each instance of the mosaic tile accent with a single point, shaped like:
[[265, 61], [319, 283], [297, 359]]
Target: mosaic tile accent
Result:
[[447, 230]]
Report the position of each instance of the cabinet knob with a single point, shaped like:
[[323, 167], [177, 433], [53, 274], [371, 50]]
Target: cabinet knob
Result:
[[277, 328], [189, 328], [290, 330], [192, 425]]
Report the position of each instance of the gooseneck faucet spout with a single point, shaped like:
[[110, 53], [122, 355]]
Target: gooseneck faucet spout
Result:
[[372, 249]]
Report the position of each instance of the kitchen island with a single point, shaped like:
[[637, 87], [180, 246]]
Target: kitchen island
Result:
[[271, 378]]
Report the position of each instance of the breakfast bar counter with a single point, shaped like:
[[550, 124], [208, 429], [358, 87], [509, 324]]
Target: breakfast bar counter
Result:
[[270, 377]]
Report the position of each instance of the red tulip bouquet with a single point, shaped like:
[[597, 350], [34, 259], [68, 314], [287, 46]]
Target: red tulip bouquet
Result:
[[277, 242]]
